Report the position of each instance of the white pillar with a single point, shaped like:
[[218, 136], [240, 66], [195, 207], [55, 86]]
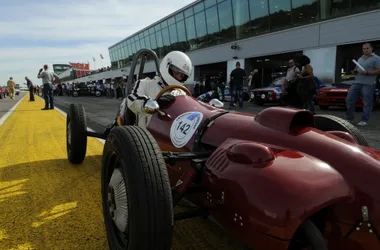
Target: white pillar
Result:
[[323, 61]]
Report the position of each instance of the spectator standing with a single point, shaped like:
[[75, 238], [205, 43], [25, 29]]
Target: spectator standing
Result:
[[48, 78], [30, 85], [306, 87], [237, 77], [11, 88], [221, 84], [364, 85]]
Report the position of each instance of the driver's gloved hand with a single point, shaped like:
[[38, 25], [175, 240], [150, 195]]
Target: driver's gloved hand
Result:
[[165, 99]]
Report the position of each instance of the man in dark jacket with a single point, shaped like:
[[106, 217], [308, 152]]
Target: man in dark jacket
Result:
[[31, 89], [237, 76]]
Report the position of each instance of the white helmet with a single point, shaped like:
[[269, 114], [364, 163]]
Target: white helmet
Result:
[[178, 61]]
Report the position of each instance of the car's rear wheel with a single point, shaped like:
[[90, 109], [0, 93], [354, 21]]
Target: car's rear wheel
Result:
[[75, 94], [76, 133], [136, 194], [308, 237], [98, 93], [333, 123]]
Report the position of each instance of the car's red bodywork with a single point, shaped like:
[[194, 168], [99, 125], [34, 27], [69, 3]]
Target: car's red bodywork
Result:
[[327, 97], [271, 171]]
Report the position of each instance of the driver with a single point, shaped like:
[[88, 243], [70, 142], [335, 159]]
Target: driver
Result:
[[175, 68]]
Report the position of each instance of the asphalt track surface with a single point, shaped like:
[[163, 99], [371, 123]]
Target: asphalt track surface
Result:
[[48, 203]]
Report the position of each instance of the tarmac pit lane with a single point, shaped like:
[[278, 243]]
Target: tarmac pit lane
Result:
[[47, 203]]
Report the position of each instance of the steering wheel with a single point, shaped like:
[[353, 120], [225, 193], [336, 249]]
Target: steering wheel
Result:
[[171, 87]]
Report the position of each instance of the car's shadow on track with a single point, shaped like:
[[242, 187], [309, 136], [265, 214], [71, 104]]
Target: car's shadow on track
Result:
[[54, 204], [197, 233]]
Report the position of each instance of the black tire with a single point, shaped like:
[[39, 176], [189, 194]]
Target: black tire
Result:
[[75, 94], [330, 123], [308, 235], [98, 93], [76, 133], [132, 157]]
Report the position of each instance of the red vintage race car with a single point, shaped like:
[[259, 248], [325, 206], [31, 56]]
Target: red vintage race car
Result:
[[3, 92], [336, 95], [281, 179]]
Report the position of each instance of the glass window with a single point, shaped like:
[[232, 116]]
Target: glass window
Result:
[[160, 47], [198, 7], [134, 49], [179, 17], [181, 31], [153, 44], [164, 24], [142, 44], [173, 34], [118, 55], [165, 37], [241, 18], [200, 24], [151, 30], [305, 11], [159, 39], [122, 53], [226, 22], [157, 27], [182, 41], [171, 21], [190, 31], [146, 33], [364, 5], [280, 15], [334, 8], [189, 12], [147, 42], [130, 50], [140, 36], [212, 20], [209, 3]]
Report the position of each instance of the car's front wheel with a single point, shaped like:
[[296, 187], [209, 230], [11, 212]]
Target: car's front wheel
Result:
[[76, 133], [136, 194], [334, 123], [309, 237]]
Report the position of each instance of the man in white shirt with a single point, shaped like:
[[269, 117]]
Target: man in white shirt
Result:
[[47, 80], [290, 75]]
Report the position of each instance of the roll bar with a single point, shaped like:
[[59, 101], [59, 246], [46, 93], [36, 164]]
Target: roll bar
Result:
[[143, 54]]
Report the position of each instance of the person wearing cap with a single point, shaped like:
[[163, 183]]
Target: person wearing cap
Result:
[[11, 88], [48, 78]]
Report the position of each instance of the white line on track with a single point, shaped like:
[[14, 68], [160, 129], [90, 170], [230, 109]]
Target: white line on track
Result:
[[5, 117]]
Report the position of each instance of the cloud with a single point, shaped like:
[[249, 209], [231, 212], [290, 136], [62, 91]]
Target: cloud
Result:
[[47, 32]]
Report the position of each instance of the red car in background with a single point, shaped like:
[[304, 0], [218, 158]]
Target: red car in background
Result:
[[3, 92], [337, 93]]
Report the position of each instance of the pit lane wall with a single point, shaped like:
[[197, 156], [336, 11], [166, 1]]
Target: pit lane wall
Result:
[[319, 41]]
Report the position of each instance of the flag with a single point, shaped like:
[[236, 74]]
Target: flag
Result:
[[93, 58], [101, 56]]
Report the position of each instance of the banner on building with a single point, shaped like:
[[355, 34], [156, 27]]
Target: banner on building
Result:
[[80, 69]]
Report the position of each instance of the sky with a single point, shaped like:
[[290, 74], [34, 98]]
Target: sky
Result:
[[34, 33]]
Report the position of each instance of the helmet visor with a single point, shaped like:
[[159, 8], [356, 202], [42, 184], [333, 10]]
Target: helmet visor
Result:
[[178, 73]]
